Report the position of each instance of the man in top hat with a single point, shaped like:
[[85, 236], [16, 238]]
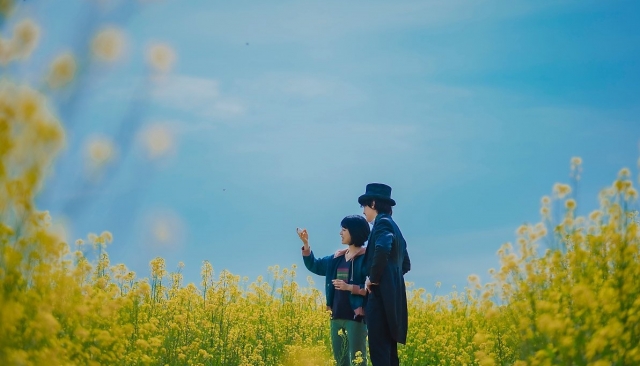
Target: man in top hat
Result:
[[386, 261]]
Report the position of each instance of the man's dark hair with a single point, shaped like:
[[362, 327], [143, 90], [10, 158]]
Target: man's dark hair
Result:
[[382, 206], [358, 229]]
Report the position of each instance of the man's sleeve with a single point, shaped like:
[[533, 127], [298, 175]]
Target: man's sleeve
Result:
[[406, 262], [383, 240]]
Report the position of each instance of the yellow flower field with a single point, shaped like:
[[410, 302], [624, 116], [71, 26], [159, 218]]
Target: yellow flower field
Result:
[[565, 293], [575, 304]]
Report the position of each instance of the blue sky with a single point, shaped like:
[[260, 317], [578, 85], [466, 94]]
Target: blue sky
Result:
[[282, 112]]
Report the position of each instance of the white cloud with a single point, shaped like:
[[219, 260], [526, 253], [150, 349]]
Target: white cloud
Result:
[[341, 137], [227, 108], [200, 96], [186, 89], [310, 87], [285, 86], [318, 21], [312, 152]]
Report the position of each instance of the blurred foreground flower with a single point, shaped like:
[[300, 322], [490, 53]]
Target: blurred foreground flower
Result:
[[5, 52], [108, 44], [576, 167], [6, 6], [561, 190], [25, 38], [60, 229], [624, 173], [158, 140], [166, 229], [161, 57], [100, 150], [62, 70], [29, 138]]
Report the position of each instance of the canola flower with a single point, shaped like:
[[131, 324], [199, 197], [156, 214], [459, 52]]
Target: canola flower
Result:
[[161, 57], [158, 140], [6, 6], [561, 190], [108, 44], [62, 70], [24, 40], [576, 168], [100, 150]]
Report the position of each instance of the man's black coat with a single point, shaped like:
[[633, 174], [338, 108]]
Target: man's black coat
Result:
[[386, 261]]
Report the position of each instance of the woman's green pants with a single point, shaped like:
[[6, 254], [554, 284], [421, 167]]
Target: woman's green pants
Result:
[[347, 338]]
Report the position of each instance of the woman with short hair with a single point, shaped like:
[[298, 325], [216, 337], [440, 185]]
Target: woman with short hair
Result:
[[344, 288]]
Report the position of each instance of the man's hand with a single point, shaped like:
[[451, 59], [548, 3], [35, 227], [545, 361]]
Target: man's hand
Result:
[[341, 285], [368, 284]]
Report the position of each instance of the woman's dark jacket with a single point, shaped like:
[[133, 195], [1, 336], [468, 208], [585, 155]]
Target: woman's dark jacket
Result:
[[328, 267]]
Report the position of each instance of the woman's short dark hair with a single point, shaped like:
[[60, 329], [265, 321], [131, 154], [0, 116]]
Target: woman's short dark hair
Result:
[[358, 229], [382, 206]]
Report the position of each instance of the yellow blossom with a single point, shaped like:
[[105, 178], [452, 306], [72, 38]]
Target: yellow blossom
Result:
[[561, 190], [26, 35], [570, 204], [106, 236], [576, 160], [6, 6], [62, 70], [158, 140], [161, 57], [522, 230], [544, 211], [6, 51], [624, 173], [100, 150], [108, 44]]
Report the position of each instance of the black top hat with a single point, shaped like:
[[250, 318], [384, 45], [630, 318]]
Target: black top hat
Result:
[[377, 191]]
